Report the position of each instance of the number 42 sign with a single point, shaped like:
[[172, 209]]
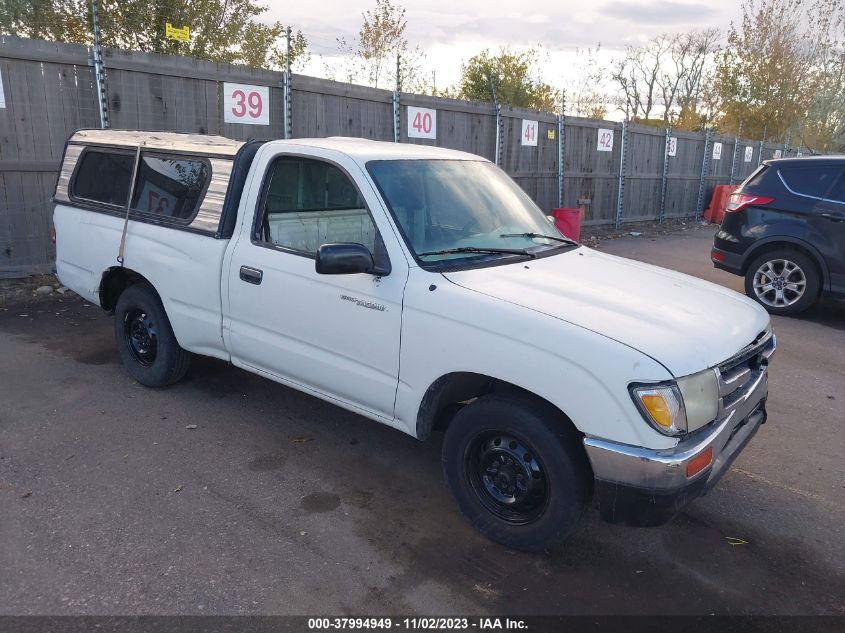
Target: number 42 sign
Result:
[[605, 140], [246, 104]]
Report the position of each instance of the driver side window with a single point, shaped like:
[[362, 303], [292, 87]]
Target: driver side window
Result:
[[308, 203]]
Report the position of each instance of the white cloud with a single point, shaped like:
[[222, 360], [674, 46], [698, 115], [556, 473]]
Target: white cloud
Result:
[[450, 32]]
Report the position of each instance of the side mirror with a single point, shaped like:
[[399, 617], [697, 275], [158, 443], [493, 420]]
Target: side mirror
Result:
[[346, 259]]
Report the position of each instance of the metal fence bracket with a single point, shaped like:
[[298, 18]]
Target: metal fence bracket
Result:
[[664, 177], [705, 171], [620, 192]]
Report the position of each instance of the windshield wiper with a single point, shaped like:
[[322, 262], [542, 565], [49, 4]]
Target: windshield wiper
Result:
[[476, 249], [556, 238]]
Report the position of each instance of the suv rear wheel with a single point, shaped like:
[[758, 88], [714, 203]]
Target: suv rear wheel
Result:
[[784, 281]]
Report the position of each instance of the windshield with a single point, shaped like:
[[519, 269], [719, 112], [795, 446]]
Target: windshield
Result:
[[451, 209]]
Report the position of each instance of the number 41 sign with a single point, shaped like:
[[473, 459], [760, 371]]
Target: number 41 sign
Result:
[[529, 132], [246, 104]]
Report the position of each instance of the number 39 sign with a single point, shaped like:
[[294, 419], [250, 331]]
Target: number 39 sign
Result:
[[246, 104]]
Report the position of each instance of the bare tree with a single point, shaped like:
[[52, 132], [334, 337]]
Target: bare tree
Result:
[[694, 54], [586, 86], [372, 55], [639, 75], [662, 79]]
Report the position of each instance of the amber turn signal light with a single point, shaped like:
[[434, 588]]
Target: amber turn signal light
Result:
[[700, 462]]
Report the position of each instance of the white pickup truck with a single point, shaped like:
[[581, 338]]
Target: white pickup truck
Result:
[[422, 288]]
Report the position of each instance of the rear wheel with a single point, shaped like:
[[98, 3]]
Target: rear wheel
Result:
[[145, 340], [783, 281], [516, 470]]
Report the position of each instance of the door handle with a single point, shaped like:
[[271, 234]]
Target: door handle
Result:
[[251, 275], [834, 217]]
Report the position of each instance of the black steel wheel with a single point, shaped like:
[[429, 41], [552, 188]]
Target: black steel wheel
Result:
[[517, 470], [139, 332], [507, 477], [145, 339]]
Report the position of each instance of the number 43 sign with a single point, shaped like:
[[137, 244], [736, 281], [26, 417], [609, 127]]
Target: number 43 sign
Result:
[[246, 104]]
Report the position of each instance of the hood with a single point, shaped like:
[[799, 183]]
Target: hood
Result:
[[684, 323]]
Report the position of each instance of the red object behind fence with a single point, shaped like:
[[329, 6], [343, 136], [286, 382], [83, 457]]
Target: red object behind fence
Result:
[[716, 211], [568, 222]]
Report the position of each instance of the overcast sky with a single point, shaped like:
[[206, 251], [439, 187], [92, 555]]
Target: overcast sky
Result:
[[451, 31]]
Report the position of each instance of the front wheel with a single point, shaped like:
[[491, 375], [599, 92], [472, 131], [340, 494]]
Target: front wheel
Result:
[[145, 340], [783, 281], [516, 470]]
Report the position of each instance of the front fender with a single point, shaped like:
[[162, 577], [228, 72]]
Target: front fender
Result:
[[453, 329]]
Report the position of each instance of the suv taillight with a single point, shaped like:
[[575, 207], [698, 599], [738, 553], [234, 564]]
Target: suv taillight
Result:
[[53, 234], [739, 201]]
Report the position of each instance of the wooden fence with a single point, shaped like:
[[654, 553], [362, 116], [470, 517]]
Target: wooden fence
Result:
[[49, 91]]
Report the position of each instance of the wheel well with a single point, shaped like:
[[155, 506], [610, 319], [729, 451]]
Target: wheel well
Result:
[[115, 280], [448, 394], [774, 246]]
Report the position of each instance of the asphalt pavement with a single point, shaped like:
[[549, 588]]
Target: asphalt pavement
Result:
[[230, 494]]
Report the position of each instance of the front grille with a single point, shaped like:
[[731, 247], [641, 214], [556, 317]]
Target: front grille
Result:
[[738, 375]]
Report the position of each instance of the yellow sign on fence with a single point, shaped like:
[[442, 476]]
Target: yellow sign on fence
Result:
[[183, 34]]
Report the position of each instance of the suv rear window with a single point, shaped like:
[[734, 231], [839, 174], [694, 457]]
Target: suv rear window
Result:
[[104, 177], [756, 177], [810, 181], [838, 192]]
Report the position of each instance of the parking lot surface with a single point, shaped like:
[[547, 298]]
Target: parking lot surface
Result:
[[230, 494]]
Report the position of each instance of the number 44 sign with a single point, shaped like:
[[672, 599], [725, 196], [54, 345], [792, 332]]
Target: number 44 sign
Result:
[[245, 104], [422, 123]]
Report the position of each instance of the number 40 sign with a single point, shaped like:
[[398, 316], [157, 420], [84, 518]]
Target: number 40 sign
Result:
[[246, 104], [422, 122]]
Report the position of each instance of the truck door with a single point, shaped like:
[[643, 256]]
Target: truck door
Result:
[[332, 335]]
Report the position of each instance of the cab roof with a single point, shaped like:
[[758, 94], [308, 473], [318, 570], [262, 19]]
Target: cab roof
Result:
[[366, 150], [356, 148]]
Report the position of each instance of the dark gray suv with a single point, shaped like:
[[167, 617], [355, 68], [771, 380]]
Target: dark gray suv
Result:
[[784, 231]]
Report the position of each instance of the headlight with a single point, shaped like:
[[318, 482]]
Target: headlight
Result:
[[701, 398], [662, 406], [679, 407]]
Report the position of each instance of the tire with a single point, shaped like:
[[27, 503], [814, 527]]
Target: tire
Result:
[[783, 281], [526, 515], [145, 340]]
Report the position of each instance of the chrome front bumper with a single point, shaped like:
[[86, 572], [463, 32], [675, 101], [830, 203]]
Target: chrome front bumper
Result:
[[642, 486]]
